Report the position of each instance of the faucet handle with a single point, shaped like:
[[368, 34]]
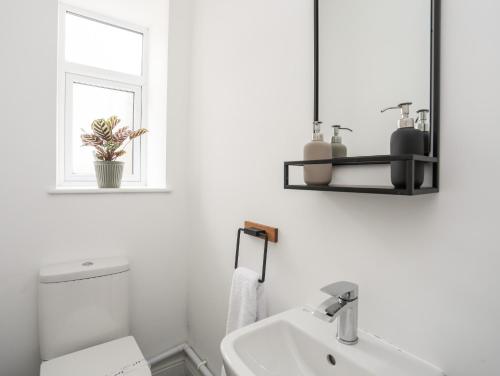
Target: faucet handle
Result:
[[346, 291]]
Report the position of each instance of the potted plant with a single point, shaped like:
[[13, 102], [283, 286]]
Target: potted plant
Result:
[[109, 143]]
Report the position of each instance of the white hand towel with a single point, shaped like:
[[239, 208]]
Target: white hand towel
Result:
[[247, 303]]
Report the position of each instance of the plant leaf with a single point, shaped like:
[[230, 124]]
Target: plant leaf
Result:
[[120, 153], [102, 129], [137, 133], [121, 135], [113, 121], [111, 146], [91, 140]]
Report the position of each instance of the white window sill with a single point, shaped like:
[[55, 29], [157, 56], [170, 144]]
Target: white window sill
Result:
[[95, 190]]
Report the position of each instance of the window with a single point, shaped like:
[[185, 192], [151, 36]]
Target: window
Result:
[[102, 68]]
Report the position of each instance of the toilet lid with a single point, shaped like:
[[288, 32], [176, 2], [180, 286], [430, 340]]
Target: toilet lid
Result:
[[121, 357]]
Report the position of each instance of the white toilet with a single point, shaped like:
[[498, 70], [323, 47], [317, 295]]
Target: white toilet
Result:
[[84, 320]]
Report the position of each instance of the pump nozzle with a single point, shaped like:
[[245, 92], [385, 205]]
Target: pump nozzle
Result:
[[317, 136], [406, 121], [336, 139], [422, 120], [338, 127]]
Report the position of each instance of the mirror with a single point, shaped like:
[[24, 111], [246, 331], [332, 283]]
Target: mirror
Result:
[[372, 54]]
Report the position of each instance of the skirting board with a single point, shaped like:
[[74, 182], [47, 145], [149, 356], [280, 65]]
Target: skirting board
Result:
[[179, 361]]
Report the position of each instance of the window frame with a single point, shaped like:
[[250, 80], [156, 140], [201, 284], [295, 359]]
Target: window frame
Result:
[[69, 73]]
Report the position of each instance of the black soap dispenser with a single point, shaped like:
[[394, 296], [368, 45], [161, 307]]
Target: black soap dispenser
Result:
[[406, 140]]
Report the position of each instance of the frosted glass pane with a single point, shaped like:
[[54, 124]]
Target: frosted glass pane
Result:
[[93, 102], [97, 44]]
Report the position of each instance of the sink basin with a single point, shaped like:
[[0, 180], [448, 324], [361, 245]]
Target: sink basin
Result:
[[297, 343]]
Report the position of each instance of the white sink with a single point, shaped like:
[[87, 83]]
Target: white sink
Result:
[[297, 343]]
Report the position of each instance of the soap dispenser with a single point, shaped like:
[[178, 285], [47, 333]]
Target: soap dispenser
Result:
[[424, 126], [406, 140], [338, 148], [317, 149]]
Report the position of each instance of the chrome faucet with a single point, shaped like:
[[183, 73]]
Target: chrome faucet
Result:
[[343, 305]]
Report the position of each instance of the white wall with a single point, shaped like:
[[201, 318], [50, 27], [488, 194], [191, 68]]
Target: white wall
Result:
[[37, 228], [427, 266]]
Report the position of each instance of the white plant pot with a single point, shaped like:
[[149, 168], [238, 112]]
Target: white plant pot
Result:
[[109, 173]]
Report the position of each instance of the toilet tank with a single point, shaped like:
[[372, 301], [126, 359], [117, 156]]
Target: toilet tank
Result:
[[82, 304]]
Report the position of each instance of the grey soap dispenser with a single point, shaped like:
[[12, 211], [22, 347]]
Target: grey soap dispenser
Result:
[[406, 140], [317, 149], [424, 126], [338, 148]]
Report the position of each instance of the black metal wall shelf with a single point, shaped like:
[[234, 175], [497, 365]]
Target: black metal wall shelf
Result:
[[369, 160]]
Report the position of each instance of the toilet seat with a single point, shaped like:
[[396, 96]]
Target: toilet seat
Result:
[[121, 357]]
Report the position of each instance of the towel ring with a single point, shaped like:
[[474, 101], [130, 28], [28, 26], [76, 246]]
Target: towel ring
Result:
[[259, 234]]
